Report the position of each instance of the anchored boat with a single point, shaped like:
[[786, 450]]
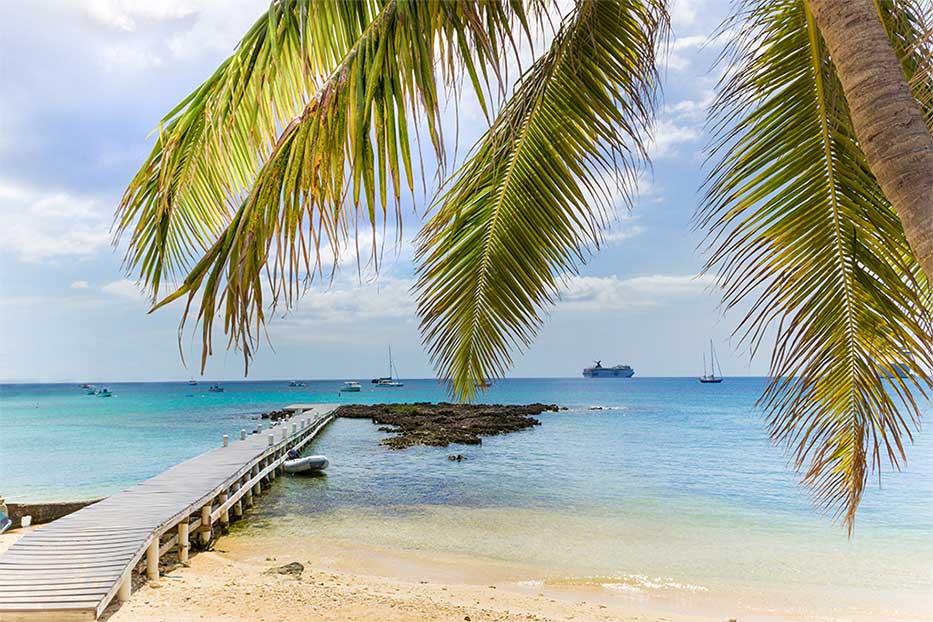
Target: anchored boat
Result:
[[351, 387], [389, 381], [297, 464], [616, 371], [711, 377]]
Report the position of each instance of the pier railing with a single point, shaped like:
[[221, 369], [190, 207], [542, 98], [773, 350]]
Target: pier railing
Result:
[[72, 568]]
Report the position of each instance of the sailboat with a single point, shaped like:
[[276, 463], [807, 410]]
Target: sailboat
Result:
[[713, 366], [389, 381]]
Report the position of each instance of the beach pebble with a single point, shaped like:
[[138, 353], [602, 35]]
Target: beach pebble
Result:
[[293, 568]]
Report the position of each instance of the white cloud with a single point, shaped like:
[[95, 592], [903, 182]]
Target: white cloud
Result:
[[593, 293], [385, 298], [124, 14], [668, 135], [48, 225], [683, 13], [124, 288], [79, 285], [690, 108], [623, 231]]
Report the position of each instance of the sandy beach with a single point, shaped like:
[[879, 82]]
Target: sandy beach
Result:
[[357, 582]]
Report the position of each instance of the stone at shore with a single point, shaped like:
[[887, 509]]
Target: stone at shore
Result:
[[441, 424], [293, 568]]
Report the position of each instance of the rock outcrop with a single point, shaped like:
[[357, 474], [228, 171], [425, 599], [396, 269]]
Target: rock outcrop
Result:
[[441, 424]]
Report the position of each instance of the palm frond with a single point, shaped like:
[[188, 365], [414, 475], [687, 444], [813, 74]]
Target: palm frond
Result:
[[206, 153], [910, 27], [336, 163], [804, 239], [530, 201]]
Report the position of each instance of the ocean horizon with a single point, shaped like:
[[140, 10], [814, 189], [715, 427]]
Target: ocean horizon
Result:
[[640, 483]]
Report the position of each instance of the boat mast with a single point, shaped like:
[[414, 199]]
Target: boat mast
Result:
[[704, 365], [390, 362], [713, 364]]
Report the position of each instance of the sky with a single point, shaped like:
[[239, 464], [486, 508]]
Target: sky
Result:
[[84, 82]]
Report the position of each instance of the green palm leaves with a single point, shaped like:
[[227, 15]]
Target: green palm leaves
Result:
[[804, 239], [204, 159], [537, 190], [305, 143]]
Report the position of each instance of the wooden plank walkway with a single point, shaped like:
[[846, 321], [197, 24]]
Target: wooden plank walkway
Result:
[[72, 568]]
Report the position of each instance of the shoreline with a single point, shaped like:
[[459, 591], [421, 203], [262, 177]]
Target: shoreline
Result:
[[368, 583], [352, 581]]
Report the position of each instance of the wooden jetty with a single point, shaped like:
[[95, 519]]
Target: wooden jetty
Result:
[[73, 567]]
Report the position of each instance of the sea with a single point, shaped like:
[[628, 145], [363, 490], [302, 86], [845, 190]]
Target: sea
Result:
[[641, 487]]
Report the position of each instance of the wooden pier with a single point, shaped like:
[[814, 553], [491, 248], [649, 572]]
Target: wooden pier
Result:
[[73, 567]]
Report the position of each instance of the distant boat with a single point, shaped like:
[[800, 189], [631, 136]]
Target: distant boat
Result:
[[216, 388], [90, 389], [104, 392], [711, 377], [616, 371], [297, 383], [87, 386], [351, 387], [388, 381], [192, 383], [483, 385]]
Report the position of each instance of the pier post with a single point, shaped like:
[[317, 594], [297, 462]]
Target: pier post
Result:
[[238, 506], [206, 524], [226, 440], [225, 515], [152, 560], [294, 428], [259, 427], [257, 488], [183, 545], [242, 435], [271, 440], [126, 586]]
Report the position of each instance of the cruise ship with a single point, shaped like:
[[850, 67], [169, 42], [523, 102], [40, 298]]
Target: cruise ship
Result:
[[616, 371]]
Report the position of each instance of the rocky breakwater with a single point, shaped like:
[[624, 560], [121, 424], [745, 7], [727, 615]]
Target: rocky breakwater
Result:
[[439, 425]]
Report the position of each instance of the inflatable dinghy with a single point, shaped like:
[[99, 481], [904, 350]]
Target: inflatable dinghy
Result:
[[306, 464]]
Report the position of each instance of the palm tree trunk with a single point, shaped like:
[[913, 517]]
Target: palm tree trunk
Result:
[[887, 120]]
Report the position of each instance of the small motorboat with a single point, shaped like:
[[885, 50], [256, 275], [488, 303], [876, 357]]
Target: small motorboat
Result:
[[105, 392], [192, 383], [216, 388], [306, 464], [297, 383], [351, 386]]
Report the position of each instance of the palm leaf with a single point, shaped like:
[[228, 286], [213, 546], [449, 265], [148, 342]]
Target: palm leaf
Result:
[[204, 158], [532, 198], [803, 238], [910, 27], [335, 164]]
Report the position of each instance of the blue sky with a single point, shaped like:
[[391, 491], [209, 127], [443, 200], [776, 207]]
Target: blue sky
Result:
[[85, 81]]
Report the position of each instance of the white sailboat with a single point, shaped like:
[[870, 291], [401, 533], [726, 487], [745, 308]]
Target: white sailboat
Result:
[[392, 379], [710, 377]]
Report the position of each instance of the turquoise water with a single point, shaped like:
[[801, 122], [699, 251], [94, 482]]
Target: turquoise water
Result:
[[677, 480]]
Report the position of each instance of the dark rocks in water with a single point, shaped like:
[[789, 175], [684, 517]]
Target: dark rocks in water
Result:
[[456, 457], [277, 415], [441, 424], [293, 568]]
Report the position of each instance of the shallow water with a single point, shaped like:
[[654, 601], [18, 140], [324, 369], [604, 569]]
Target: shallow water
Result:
[[676, 489]]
